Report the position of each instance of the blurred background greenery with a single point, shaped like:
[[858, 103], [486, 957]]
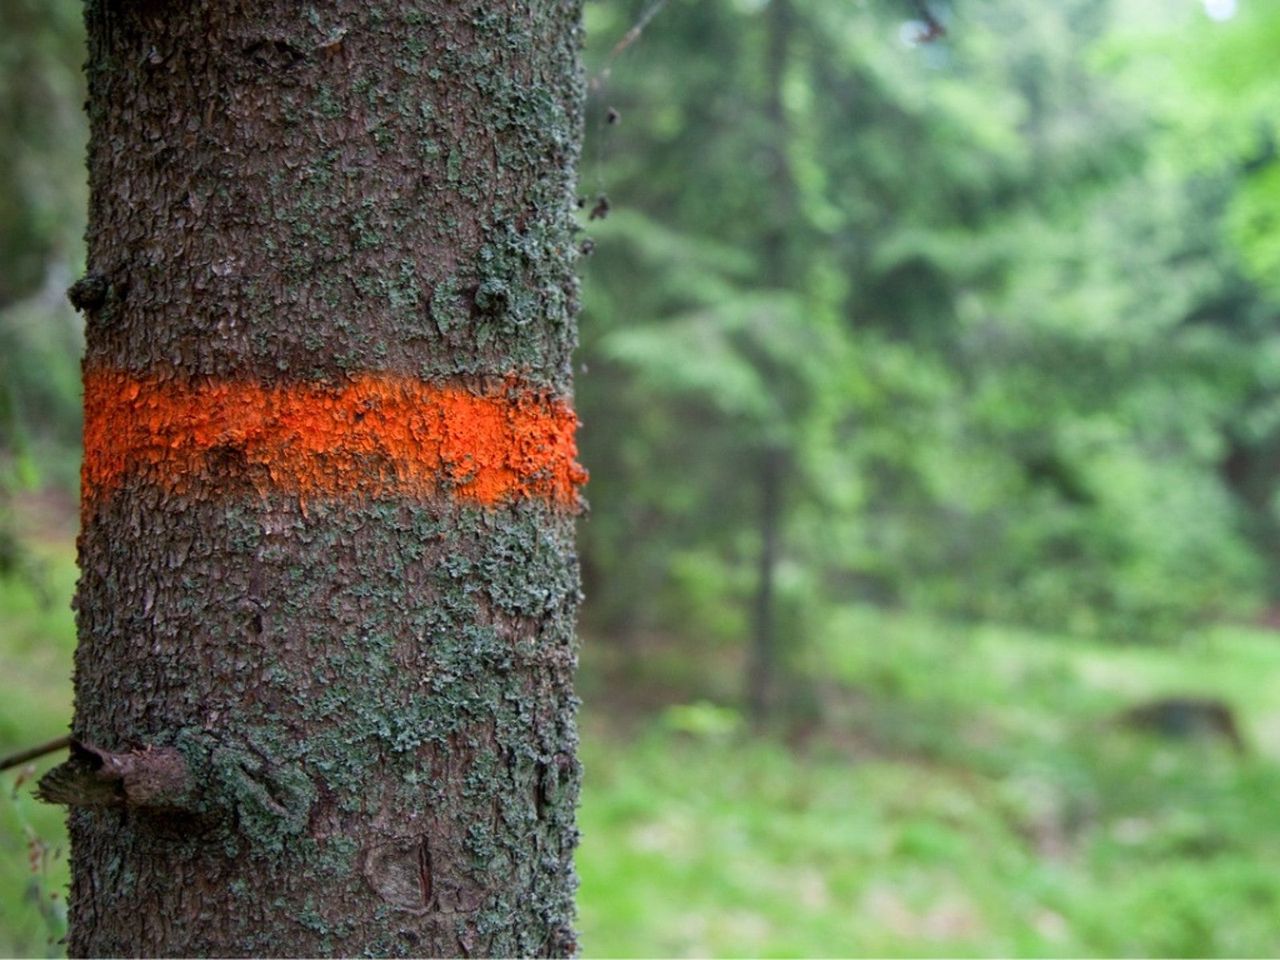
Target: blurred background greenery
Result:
[[929, 373]]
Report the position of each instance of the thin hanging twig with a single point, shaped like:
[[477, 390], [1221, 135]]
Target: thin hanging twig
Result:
[[632, 35]]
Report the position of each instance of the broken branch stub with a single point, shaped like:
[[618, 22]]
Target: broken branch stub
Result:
[[153, 777]]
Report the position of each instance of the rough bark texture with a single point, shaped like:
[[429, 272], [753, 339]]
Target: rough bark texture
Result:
[[368, 679]]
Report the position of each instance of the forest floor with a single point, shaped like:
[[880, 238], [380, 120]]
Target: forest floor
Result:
[[943, 790]]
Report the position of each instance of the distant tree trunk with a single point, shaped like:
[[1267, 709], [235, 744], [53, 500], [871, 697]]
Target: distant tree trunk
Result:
[[323, 685], [763, 670], [763, 659]]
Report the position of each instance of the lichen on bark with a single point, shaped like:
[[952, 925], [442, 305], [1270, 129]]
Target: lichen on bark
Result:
[[370, 683]]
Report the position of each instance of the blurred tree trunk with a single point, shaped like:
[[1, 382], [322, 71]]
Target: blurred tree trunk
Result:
[[762, 677], [763, 663], [323, 684]]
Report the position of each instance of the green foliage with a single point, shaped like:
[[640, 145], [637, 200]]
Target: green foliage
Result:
[[1012, 363], [42, 201], [42, 188], [35, 661], [955, 792], [702, 719]]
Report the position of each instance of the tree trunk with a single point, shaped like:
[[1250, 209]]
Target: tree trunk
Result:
[[777, 269], [323, 684], [762, 672]]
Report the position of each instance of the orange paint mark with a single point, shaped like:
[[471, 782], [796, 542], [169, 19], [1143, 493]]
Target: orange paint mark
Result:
[[376, 435]]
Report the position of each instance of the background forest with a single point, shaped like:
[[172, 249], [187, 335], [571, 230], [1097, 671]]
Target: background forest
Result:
[[929, 377]]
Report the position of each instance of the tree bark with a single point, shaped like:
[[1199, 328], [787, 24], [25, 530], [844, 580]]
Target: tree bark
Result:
[[328, 580]]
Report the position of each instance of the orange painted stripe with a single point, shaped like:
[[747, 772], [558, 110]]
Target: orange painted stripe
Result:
[[376, 435]]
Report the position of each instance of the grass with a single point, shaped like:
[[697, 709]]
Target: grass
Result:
[[947, 790], [37, 636], [954, 791], [748, 852]]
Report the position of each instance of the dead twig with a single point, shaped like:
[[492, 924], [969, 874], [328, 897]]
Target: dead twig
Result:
[[34, 753]]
